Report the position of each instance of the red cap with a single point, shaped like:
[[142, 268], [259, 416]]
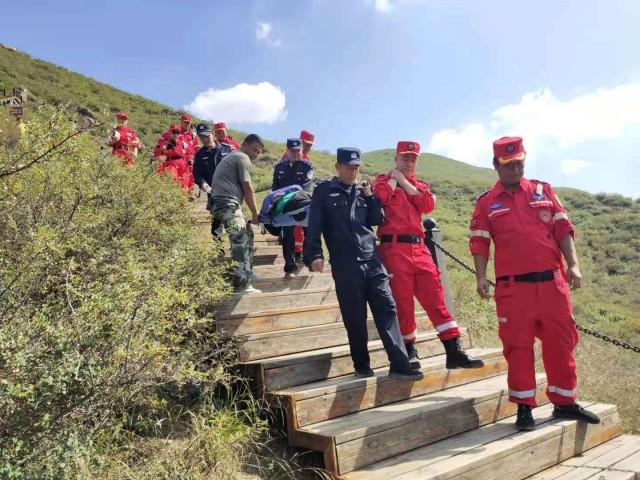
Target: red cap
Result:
[[185, 118], [307, 137], [122, 115], [220, 126], [508, 149], [174, 126], [407, 146]]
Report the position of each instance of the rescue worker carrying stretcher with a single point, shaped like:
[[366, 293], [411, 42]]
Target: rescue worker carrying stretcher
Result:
[[531, 233], [411, 268], [292, 170]]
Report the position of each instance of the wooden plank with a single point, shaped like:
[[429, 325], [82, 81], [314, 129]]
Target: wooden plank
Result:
[[362, 394], [417, 425], [423, 458], [524, 454], [628, 447], [245, 304], [553, 473], [303, 281], [279, 319], [300, 369], [282, 342], [629, 464]]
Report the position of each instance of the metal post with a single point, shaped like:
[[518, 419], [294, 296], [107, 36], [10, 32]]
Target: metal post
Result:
[[431, 233]]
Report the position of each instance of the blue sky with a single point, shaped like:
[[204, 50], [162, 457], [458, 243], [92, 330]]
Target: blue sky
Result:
[[452, 74]]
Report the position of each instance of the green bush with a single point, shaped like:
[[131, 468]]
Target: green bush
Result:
[[103, 339]]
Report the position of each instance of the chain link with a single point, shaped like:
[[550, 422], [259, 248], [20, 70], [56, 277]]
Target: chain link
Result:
[[588, 331]]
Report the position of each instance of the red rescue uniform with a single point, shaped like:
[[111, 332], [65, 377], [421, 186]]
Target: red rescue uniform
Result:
[[532, 299], [125, 144], [191, 140], [411, 268], [175, 162]]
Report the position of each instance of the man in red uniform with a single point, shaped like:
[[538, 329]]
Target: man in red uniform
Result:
[[531, 233], [123, 140], [189, 137], [405, 256], [220, 132], [172, 153]]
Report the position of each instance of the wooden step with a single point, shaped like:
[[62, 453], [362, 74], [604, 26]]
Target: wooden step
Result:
[[283, 342], [371, 436], [278, 319], [497, 451], [284, 318], [306, 367], [269, 259], [316, 402], [617, 459], [304, 281], [277, 271], [244, 304]]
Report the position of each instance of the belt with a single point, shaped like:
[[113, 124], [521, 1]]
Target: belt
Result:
[[531, 277], [401, 239]]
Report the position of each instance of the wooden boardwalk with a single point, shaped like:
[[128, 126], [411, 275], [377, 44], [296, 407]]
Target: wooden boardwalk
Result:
[[453, 424]]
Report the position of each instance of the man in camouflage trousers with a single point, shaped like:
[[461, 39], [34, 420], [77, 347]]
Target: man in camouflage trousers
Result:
[[231, 186]]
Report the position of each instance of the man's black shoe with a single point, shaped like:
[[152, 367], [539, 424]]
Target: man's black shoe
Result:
[[575, 412], [457, 357], [406, 375], [414, 359], [365, 373], [524, 419]]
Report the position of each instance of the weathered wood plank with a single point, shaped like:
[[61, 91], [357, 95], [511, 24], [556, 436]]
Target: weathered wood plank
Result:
[[450, 413], [304, 281], [524, 454], [246, 304], [361, 394], [305, 368]]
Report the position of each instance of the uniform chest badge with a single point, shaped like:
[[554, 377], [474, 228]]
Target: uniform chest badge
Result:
[[539, 196], [545, 215], [495, 205], [334, 194]]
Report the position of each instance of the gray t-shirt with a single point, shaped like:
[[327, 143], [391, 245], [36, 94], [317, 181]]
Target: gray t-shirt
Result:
[[229, 175]]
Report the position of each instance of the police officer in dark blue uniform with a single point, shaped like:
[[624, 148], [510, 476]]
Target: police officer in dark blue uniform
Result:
[[206, 160], [344, 212], [292, 170]]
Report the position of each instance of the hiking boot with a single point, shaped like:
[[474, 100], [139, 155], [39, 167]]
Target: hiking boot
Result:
[[524, 419], [406, 375], [248, 290], [414, 359], [457, 357], [364, 373], [575, 412]]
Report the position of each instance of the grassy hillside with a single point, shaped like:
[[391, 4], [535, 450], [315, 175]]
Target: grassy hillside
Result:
[[608, 225]]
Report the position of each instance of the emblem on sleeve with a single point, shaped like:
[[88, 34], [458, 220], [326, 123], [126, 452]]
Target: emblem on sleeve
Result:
[[545, 215]]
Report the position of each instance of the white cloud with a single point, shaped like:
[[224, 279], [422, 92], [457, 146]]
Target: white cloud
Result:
[[601, 125], [264, 33], [242, 103], [573, 165], [382, 5]]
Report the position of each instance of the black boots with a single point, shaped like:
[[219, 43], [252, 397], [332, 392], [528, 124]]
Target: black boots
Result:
[[365, 373], [414, 360], [524, 419], [575, 412], [457, 357]]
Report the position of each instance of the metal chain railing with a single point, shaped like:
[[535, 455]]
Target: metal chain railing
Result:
[[588, 331]]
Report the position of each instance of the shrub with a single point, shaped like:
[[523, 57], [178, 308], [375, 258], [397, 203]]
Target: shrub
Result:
[[102, 336]]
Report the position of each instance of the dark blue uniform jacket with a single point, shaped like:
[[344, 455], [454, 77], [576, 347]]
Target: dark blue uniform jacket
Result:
[[344, 216], [287, 173]]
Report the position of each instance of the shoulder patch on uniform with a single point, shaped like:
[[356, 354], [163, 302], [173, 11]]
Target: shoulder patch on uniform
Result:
[[481, 195]]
